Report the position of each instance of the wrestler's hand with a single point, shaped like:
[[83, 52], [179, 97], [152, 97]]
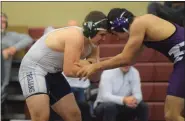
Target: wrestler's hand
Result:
[[87, 70], [83, 62]]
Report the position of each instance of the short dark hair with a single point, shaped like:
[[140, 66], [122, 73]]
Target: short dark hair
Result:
[[117, 12], [96, 16]]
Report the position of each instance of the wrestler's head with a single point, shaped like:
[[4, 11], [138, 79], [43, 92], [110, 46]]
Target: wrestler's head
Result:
[[119, 20], [95, 27]]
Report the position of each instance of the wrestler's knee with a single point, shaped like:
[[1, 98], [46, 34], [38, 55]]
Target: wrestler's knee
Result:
[[172, 116], [174, 107], [74, 115], [168, 116], [38, 106], [40, 116]]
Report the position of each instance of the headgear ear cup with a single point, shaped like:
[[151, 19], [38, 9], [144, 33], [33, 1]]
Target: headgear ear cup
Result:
[[92, 28], [125, 20], [89, 29]]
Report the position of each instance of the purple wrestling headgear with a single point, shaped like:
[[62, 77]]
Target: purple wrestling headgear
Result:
[[120, 24]]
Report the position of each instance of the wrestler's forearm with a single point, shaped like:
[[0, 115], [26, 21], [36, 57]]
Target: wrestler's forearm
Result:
[[74, 71], [92, 60], [120, 60], [115, 62]]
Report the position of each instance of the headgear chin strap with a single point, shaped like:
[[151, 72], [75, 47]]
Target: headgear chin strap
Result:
[[91, 28], [120, 24]]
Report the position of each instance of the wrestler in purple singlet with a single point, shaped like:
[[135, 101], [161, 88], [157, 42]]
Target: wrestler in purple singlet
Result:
[[174, 48]]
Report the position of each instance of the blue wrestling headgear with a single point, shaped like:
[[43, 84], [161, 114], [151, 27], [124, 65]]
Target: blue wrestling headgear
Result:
[[121, 23], [91, 28]]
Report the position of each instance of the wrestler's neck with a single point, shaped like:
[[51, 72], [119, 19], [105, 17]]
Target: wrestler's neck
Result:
[[86, 41], [135, 18]]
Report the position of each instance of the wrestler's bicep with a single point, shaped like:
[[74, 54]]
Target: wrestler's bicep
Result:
[[135, 42], [72, 53]]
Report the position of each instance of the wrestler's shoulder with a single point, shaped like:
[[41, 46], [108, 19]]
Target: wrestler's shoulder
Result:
[[74, 29], [146, 18]]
